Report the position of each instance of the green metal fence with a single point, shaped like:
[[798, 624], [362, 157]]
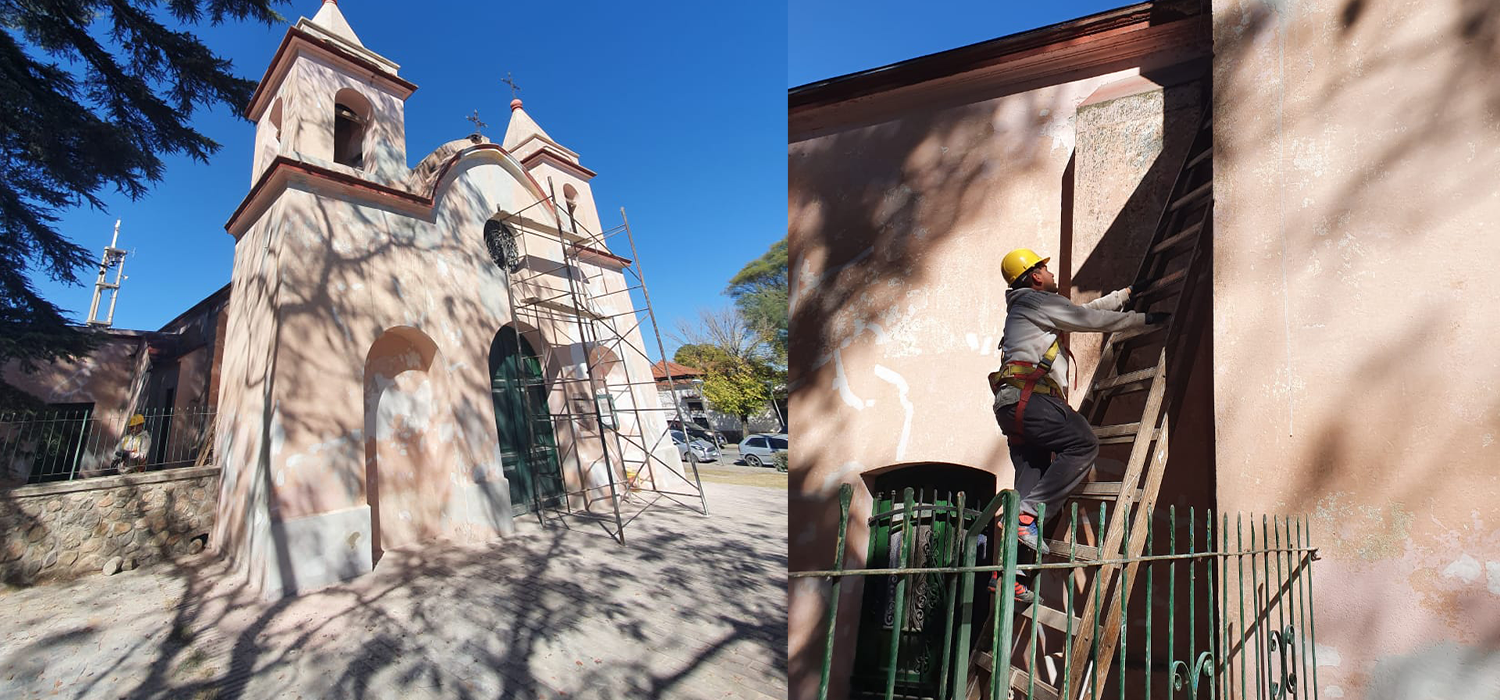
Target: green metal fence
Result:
[[1217, 606], [78, 442]]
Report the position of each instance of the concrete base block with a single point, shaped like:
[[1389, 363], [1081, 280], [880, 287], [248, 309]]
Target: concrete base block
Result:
[[298, 555], [485, 510]]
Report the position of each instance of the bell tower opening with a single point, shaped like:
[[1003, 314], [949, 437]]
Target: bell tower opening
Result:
[[351, 119]]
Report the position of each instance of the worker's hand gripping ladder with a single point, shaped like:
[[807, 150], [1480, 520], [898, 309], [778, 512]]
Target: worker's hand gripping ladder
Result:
[[1171, 274]]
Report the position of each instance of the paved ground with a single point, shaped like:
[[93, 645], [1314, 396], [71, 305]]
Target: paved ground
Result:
[[692, 607]]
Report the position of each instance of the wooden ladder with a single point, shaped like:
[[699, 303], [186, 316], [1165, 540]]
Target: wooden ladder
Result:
[[1172, 269]]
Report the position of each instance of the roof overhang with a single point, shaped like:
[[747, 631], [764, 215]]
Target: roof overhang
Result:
[[1147, 36], [284, 172], [298, 40]]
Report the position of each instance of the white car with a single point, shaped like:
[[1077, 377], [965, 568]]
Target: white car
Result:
[[757, 450], [702, 451]]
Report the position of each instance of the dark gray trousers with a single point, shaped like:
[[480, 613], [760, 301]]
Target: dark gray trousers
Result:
[[1056, 454]]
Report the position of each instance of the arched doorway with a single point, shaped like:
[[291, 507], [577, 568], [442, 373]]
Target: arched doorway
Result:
[[933, 531], [528, 454]]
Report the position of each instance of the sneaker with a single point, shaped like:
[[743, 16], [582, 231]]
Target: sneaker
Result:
[[1030, 536], [1022, 593]]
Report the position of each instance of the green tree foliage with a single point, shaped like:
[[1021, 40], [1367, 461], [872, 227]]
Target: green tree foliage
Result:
[[759, 291], [737, 390], [95, 93], [703, 356]]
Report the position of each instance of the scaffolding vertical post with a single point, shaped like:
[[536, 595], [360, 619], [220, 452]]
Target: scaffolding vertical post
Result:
[[635, 257], [583, 337]]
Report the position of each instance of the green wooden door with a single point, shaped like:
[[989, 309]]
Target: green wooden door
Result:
[[528, 455]]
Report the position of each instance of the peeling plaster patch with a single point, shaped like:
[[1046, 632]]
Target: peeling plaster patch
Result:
[[841, 383], [1492, 568], [1369, 532], [808, 281], [1333, 691], [1465, 568], [836, 477], [901, 386], [1327, 656], [1061, 131]]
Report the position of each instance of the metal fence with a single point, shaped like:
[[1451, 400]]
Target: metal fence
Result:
[[1213, 608], [75, 443]]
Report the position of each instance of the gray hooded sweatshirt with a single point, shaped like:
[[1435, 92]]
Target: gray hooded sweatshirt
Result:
[[1034, 318]]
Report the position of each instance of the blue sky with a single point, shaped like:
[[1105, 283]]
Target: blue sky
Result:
[[827, 38], [680, 108]]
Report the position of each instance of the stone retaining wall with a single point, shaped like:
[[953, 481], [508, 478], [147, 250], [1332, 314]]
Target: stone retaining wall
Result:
[[69, 529]]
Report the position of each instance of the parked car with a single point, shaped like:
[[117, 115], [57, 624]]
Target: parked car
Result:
[[702, 451], [757, 449], [712, 437]]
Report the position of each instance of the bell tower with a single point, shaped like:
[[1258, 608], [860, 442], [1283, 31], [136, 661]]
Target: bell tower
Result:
[[328, 101], [556, 168]]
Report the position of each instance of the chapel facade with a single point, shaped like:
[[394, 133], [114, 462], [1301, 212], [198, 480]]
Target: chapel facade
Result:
[[401, 341]]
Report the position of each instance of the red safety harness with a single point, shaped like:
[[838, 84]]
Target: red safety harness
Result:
[[1029, 377]]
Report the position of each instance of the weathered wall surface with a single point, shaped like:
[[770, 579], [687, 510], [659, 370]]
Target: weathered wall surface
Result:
[[69, 529], [896, 232], [112, 379], [1355, 371]]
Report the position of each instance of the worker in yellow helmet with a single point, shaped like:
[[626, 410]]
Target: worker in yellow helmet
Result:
[[1051, 447], [134, 448]]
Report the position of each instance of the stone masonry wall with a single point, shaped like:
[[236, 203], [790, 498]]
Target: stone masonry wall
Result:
[[70, 529]]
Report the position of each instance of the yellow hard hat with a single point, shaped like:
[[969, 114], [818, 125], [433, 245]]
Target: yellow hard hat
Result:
[[1018, 261], [135, 420]]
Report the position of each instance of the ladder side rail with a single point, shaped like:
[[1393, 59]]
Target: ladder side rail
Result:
[[1151, 489], [583, 337], [1136, 466]]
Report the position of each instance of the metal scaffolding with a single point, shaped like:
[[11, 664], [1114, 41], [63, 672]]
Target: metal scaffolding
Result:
[[585, 341]]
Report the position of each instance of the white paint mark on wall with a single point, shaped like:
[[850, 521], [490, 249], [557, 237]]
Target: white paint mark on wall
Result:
[[901, 386], [836, 477], [1465, 568], [1492, 568], [841, 383], [972, 340], [1333, 691], [1327, 656]]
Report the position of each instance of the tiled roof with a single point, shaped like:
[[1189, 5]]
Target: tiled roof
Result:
[[659, 371]]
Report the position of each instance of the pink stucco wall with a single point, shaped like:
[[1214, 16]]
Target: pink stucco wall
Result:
[[1357, 142], [898, 217]]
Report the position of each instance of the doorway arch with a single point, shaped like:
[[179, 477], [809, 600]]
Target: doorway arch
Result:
[[528, 453]]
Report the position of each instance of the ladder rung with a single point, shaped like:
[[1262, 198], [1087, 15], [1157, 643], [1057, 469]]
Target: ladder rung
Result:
[[1123, 337], [1103, 491], [1135, 377], [1118, 430], [1163, 284], [1056, 619], [1021, 683], [1205, 188], [1204, 155], [1084, 552], [1187, 234]]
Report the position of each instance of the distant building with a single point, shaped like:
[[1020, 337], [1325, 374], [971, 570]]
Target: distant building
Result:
[[685, 389]]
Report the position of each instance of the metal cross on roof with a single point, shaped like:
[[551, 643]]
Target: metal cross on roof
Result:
[[475, 119], [512, 83]]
